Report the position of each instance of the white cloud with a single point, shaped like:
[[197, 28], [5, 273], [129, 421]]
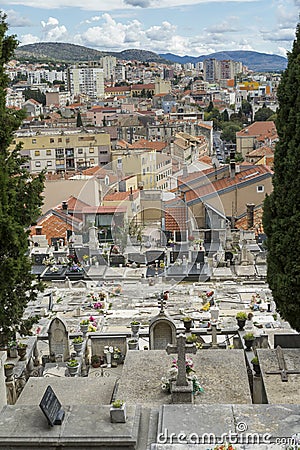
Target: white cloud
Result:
[[279, 35], [282, 51], [110, 5], [52, 31], [227, 26], [29, 39], [14, 19]]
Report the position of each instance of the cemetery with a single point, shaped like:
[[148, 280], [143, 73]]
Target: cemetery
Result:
[[154, 350]]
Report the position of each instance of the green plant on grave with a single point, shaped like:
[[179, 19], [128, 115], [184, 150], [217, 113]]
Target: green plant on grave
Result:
[[135, 322], [85, 322], [254, 360], [186, 319], [118, 403], [192, 338], [249, 337], [77, 340], [241, 315], [73, 363], [21, 345]]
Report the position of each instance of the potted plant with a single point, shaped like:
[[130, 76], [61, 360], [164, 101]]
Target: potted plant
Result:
[[132, 344], [21, 349], [135, 326], [96, 361], [84, 325], [187, 322], [118, 411], [73, 365], [191, 339], [256, 365], [77, 344], [241, 318], [8, 371], [249, 338]]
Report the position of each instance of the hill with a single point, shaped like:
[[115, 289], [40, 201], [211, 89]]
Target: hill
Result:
[[258, 62], [71, 53]]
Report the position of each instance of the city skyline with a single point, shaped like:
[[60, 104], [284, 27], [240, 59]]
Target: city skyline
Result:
[[182, 27]]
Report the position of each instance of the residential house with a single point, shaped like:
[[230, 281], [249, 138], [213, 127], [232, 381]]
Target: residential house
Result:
[[255, 135]]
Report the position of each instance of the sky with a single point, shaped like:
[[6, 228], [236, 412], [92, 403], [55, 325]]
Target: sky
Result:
[[182, 27]]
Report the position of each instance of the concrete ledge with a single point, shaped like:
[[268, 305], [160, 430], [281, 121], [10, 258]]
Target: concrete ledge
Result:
[[89, 426]]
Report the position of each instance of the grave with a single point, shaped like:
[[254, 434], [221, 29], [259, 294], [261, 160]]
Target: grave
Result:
[[280, 369], [58, 339], [222, 374]]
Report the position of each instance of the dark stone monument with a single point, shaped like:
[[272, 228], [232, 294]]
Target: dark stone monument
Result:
[[287, 340], [51, 407]]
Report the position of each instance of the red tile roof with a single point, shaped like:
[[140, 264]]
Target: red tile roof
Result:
[[260, 130], [175, 217], [52, 226], [121, 196], [219, 185], [103, 209]]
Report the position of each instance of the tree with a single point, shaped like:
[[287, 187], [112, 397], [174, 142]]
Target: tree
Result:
[[229, 132], [36, 95], [263, 114], [20, 201], [281, 216]]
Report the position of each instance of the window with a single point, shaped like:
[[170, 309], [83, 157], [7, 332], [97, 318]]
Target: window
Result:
[[49, 163], [260, 188], [80, 151], [92, 161], [38, 164], [104, 152], [91, 150], [59, 139], [33, 141], [37, 153], [51, 140], [48, 152]]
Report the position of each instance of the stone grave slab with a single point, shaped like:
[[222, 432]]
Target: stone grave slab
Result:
[[245, 271], [113, 273], [260, 425], [96, 271], [261, 270], [87, 426], [131, 273], [222, 273], [79, 390], [278, 391], [143, 370]]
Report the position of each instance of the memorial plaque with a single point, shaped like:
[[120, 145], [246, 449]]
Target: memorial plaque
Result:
[[287, 340], [58, 338], [162, 331], [51, 407]]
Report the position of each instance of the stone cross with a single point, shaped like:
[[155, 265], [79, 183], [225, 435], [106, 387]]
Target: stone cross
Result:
[[282, 370], [182, 348], [161, 303]]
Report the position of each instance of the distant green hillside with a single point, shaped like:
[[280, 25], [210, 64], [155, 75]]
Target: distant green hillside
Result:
[[70, 53]]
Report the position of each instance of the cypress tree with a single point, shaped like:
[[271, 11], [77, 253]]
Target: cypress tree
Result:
[[20, 201], [281, 217]]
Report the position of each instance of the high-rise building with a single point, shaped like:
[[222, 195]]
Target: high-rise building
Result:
[[86, 80]]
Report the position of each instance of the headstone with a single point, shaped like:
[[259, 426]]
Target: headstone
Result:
[[93, 239], [51, 407], [162, 331], [58, 338], [287, 340]]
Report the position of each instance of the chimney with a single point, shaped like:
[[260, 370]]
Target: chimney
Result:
[[250, 215], [232, 169], [64, 206], [130, 195], [38, 230]]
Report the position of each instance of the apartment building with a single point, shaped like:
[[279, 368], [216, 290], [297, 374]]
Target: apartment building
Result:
[[58, 151], [82, 79], [255, 135], [108, 64]]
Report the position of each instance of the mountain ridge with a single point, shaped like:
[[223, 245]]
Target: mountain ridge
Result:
[[71, 53]]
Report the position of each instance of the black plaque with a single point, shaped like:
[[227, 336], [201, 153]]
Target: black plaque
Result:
[[51, 407], [287, 340]]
